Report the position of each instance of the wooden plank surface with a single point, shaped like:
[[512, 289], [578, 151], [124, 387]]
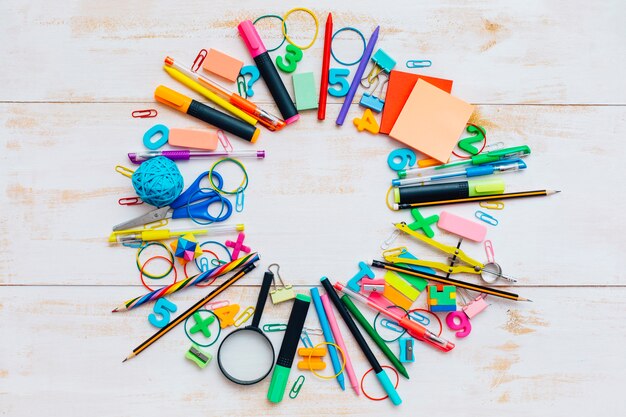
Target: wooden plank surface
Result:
[[543, 73]]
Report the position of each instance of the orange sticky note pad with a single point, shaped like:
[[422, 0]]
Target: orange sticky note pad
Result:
[[192, 138], [219, 63], [431, 121]]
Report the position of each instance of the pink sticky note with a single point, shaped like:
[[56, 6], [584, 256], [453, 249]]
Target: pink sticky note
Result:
[[461, 226], [431, 121]]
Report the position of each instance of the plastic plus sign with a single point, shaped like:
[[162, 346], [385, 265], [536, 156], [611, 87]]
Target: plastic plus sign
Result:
[[238, 246], [202, 325], [423, 223]]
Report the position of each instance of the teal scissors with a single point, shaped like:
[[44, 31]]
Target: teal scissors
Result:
[[193, 203]]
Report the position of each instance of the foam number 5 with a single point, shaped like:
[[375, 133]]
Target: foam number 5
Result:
[[338, 76], [399, 158], [293, 56], [163, 308], [367, 122], [463, 325]]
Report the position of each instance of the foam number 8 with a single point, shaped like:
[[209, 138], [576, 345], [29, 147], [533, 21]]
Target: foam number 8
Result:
[[463, 325], [163, 308], [405, 156], [293, 56], [338, 76]]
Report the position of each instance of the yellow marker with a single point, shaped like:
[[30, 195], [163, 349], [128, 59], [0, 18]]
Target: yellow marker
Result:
[[199, 88], [146, 235]]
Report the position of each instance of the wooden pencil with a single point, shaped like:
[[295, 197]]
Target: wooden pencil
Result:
[[522, 194]]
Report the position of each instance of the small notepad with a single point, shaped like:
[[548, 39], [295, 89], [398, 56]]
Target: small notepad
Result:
[[431, 121]]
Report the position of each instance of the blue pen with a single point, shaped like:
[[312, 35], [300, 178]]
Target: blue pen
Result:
[[500, 167], [328, 335]]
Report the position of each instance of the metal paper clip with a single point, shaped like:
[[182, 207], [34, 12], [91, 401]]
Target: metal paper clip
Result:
[[391, 325], [274, 327], [419, 63], [420, 318], [129, 201], [306, 340], [481, 215], [297, 386], [392, 237], [224, 141], [212, 305], [199, 60], [242, 89], [494, 146], [244, 316], [492, 205], [285, 293], [144, 114], [239, 200], [491, 257], [313, 330]]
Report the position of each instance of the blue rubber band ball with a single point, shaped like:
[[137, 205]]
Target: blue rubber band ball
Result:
[[158, 181]]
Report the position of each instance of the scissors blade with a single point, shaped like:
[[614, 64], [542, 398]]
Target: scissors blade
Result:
[[149, 217]]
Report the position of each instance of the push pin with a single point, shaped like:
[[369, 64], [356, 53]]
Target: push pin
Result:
[[285, 292], [373, 285], [198, 356], [406, 349]]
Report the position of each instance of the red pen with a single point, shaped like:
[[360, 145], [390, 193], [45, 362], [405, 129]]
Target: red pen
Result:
[[328, 38]]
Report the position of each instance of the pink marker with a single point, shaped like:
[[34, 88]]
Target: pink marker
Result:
[[339, 339]]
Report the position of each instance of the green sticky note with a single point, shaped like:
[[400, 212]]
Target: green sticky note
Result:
[[305, 90]]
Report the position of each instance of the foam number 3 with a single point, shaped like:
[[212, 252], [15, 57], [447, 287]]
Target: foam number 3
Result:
[[399, 158], [463, 325], [367, 122], [163, 308], [339, 77], [293, 56]]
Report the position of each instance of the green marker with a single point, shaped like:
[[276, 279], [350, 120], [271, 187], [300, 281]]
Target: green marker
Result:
[[374, 335], [412, 194], [288, 348]]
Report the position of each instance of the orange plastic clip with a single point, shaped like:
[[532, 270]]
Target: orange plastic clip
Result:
[[199, 60], [144, 114]]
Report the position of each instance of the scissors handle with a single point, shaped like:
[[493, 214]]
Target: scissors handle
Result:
[[200, 210], [195, 193]]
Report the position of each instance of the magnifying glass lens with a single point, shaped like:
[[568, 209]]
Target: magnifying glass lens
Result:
[[246, 356]]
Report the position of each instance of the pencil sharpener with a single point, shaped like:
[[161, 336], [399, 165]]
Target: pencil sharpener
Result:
[[406, 349], [373, 285], [282, 294], [198, 356]]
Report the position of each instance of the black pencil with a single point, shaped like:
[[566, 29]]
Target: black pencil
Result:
[[538, 193]]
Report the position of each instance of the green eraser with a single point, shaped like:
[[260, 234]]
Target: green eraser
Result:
[[305, 90], [303, 297]]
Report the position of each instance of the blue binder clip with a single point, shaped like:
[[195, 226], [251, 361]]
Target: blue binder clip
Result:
[[382, 63], [406, 349], [371, 101]]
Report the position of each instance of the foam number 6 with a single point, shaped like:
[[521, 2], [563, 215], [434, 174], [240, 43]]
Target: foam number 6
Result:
[[338, 76], [463, 325], [399, 158], [293, 56], [163, 308]]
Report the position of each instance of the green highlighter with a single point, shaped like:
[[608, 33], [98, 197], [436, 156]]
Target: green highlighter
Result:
[[288, 348]]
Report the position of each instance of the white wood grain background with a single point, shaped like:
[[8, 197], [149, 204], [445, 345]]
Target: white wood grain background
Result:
[[544, 73]]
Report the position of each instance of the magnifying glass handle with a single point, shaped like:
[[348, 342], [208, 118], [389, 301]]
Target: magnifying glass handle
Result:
[[268, 277]]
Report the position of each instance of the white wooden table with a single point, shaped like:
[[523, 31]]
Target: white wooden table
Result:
[[548, 74]]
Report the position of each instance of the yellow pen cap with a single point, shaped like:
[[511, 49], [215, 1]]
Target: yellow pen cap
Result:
[[485, 187], [172, 98]]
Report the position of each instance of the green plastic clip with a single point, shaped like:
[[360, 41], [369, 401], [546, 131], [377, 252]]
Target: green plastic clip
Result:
[[274, 327], [467, 143], [297, 386]]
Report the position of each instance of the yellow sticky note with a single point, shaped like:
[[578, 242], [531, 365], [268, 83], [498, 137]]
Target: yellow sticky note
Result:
[[431, 121], [391, 278]]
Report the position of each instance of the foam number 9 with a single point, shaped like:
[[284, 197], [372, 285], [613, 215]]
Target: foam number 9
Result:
[[293, 56], [399, 158], [163, 308], [463, 325], [338, 76]]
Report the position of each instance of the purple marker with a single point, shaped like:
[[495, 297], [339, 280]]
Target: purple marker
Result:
[[142, 156], [367, 54]]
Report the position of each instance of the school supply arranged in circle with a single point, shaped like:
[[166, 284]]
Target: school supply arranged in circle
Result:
[[454, 163]]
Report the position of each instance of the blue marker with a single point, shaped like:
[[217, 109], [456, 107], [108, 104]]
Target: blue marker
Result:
[[328, 335]]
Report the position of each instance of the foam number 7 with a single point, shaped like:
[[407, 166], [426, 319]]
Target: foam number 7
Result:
[[399, 158], [338, 76], [293, 56], [163, 308]]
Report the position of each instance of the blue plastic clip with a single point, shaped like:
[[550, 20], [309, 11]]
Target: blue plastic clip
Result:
[[406, 349], [487, 218], [392, 325]]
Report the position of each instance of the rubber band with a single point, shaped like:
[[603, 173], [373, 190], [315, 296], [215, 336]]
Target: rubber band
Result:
[[203, 284], [376, 320], [343, 356], [386, 396], [389, 206], [275, 16], [240, 188], [309, 12], [358, 32], [216, 218], [219, 328], [484, 142], [141, 248], [429, 312], [230, 257], [141, 271]]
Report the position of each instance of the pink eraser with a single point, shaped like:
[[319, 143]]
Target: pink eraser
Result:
[[205, 139], [223, 65], [462, 227]]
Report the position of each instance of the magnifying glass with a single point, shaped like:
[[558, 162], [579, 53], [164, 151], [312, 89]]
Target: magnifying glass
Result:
[[246, 356]]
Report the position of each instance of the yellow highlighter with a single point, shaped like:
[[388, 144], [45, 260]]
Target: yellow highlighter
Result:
[[199, 88], [131, 236]]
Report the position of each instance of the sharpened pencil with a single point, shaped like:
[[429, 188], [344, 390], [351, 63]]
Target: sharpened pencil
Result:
[[538, 193]]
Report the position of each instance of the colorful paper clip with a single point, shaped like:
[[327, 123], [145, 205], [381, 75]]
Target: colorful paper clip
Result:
[[239, 200], [492, 205], [420, 318], [244, 316], [285, 292], [274, 327], [199, 60], [392, 237], [491, 256], [297, 386], [391, 325], [221, 136], [306, 340], [487, 218], [212, 305], [129, 201], [313, 330], [242, 89], [419, 63], [144, 114]]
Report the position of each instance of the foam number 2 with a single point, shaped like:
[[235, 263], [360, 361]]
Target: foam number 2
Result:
[[463, 325], [293, 56], [163, 308], [399, 158], [339, 77]]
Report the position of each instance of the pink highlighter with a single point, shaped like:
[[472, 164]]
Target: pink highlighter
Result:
[[339, 339]]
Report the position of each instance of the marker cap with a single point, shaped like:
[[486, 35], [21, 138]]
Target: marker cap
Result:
[[251, 38], [172, 98]]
